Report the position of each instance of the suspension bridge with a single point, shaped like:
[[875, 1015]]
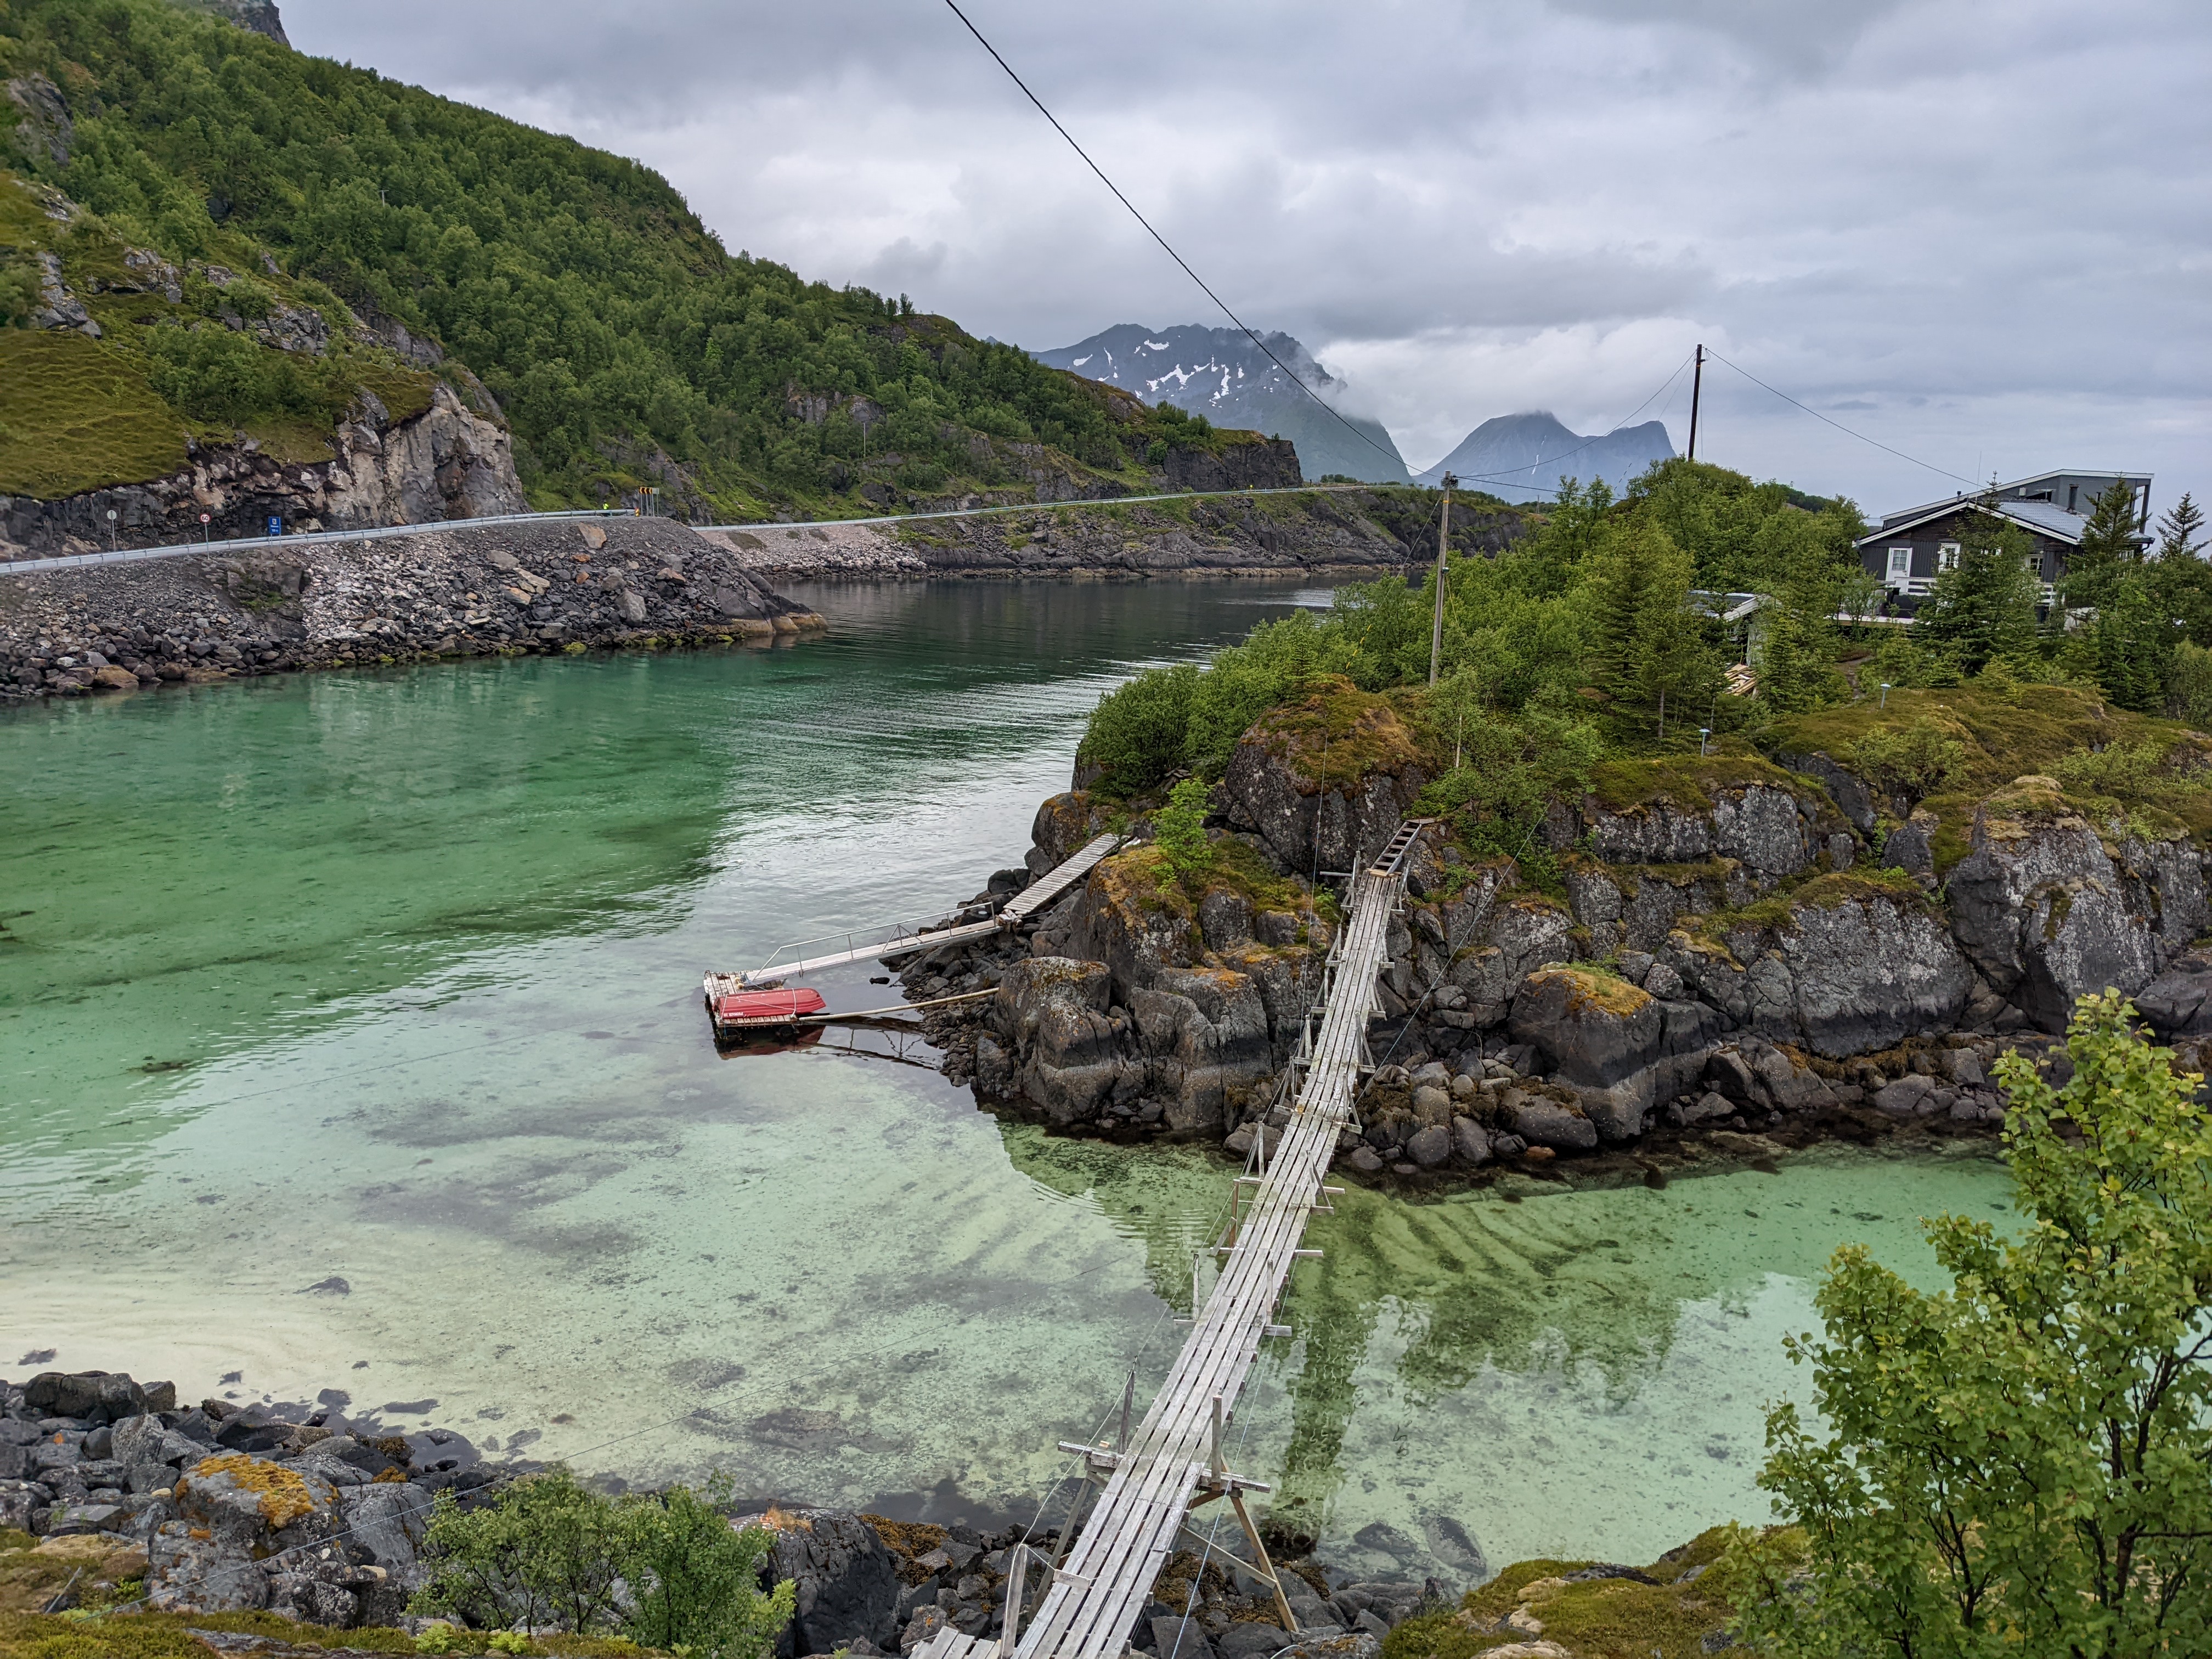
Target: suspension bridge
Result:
[[1176, 1458]]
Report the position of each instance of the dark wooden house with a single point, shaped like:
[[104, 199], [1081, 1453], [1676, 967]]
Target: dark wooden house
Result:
[[1913, 547]]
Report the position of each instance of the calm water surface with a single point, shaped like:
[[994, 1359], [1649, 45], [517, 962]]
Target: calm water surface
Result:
[[393, 979]]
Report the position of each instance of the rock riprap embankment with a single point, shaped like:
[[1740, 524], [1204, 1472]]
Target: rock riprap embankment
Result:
[[1731, 948], [460, 591], [319, 1515]]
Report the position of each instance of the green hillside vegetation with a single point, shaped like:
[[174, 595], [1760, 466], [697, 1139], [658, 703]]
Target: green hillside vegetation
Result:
[[625, 344], [1592, 655]]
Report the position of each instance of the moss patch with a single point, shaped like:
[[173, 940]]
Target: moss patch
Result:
[[1689, 781], [75, 415], [1338, 734], [169, 1636], [1593, 987], [1609, 1618]]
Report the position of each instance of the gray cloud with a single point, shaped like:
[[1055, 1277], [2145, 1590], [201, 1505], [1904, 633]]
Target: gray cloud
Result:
[[1973, 229]]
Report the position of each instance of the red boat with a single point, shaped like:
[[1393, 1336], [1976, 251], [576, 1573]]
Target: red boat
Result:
[[754, 1010]]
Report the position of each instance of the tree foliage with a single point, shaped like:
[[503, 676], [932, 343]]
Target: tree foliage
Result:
[[2018, 1465], [611, 325], [548, 1553], [1984, 606]]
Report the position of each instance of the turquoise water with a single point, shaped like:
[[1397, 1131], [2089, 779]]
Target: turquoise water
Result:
[[393, 978]]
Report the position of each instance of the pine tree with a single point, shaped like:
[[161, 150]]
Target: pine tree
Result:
[[1984, 606], [2181, 530], [2109, 545], [1648, 647]]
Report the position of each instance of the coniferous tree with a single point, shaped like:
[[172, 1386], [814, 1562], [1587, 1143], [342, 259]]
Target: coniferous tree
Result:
[[2109, 545], [2181, 530], [1647, 639], [1984, 605]]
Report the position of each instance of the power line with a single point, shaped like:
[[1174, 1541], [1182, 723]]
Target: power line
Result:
[[1163, 241], [1838, 425]]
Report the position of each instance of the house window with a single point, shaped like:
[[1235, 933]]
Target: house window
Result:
[[1946, 557], [1900, 567]]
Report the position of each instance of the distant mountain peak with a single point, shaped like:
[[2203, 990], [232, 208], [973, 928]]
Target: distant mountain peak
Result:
[[1219, 373], [1521, 458]]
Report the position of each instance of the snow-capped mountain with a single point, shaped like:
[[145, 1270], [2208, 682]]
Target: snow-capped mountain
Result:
[[1521, 458], [1219, 373]]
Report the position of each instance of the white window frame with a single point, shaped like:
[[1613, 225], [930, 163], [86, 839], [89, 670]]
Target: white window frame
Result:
[[1946, 557], [1900, 570]]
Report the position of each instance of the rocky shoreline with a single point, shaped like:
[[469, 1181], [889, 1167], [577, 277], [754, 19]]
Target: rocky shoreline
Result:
[[1744, 960], [461, 590], [317, 1513], [1360, 534]]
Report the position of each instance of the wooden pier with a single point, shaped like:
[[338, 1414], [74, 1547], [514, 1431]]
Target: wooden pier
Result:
[[888, 945]]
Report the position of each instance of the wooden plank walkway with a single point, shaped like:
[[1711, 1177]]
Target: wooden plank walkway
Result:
[[902, 941], [1091, 1602]]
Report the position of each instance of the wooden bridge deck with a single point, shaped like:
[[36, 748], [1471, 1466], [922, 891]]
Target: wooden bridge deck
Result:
[[1093, 1601]]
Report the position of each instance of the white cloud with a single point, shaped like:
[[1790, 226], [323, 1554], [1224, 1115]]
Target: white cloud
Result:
[[1978, 223]]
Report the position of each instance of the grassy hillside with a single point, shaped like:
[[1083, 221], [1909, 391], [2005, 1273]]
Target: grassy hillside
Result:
[[625, 344]]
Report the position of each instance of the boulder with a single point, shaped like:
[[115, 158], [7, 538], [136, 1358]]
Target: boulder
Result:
[[1470, 1142], [2179, 1002], [847, 1583], [1065, 824], [1121, 919], [1051, 1014], [1854, 964], [1757, 824], [93, 1396], [1206, 1030], [1331, 806], [2042, 909], [233, 1512], [1595, 1030], [1523, 931], [1542, 1122], [1429, 1147]]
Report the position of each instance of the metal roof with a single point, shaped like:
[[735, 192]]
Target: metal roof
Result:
[[2045, 517], [1921, 513]]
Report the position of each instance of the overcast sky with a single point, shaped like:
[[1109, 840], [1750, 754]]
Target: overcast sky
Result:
[[1979, 231]]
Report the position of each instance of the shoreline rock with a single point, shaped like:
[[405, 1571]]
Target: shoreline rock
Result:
[[318, 1517], [460, 591]]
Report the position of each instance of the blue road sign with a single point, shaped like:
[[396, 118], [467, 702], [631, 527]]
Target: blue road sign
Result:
[[276, 525]]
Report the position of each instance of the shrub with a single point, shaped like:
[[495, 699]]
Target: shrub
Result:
[[696, 1581], [2189, 686], [545, 1552], [2016, 1464], [1179, 829], [1915, 761], [549, 1552], [1136, 733]]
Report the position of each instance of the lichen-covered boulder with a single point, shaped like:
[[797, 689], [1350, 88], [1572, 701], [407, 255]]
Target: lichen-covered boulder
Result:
[[846, 1583], [1065, 824], [1524, 932], [1128, 917], [2044, 910], [1324, 782], [234, 1512], [1205, 1029], [1737, 809], [1596, 1029]]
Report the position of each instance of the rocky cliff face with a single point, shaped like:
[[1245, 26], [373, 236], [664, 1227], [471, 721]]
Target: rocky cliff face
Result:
[[446, 463], [1730, 952], [460, 591]]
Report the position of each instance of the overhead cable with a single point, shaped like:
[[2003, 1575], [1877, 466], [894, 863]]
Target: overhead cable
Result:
[[1838, 425], [1390, 455]]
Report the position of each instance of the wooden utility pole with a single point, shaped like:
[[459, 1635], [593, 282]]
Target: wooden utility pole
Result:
[[1444, 542], [1697, 385]]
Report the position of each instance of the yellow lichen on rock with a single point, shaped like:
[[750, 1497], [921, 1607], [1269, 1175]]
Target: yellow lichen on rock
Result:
[[284, 1493]]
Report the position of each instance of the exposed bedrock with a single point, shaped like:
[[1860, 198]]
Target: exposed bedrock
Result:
[[1746, 949]]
